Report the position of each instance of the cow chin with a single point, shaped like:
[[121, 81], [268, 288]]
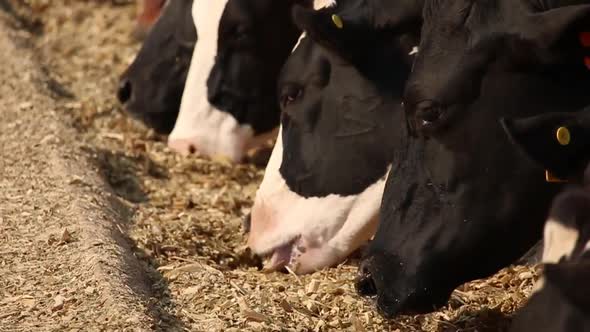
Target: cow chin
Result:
[[215, 133], [161, 122], [308, 234]]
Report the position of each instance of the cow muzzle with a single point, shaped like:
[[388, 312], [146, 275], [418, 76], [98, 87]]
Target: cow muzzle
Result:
[[384, 279]]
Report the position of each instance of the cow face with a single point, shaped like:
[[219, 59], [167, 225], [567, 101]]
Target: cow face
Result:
[[320, 194], [463, 40], [151, 88], [560, 142], [461, 202], [229, 103]]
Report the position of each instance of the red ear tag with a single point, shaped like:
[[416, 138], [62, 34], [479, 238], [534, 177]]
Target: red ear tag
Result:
[[585, 39], [587, 62]]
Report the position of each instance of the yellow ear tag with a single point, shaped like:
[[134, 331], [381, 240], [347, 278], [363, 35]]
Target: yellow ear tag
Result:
[[337, 21], [549, 177], [563, 135]]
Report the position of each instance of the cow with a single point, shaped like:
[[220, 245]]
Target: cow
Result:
[[151, 87], [561, 298], [230, 103], [148, 12], [461, 202], [560, 144], [340, 95]]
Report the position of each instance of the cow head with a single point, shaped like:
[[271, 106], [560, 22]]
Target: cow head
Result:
[[464, 40], [229, 103], [461, 202], [320, 194], [151, 88]]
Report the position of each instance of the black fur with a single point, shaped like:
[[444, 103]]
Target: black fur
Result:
[[476, 204], [151, 88], [340, 118], [255, 39], [536, 136]]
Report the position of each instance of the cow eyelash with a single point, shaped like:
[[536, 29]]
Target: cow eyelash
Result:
[[290, 93]]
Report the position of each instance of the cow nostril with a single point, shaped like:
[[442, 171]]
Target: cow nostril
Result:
[[365, 285], [246, 222], [124, 91], [192, 149]]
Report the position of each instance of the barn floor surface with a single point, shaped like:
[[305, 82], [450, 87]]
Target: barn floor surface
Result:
[[103, 228]]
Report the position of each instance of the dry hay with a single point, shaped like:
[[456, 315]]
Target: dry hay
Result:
[[188, 211]]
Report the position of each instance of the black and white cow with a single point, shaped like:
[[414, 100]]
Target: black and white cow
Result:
[[461, 202], [561, 298], [151, 88], [340, 94], [560, 144], [229, 104]]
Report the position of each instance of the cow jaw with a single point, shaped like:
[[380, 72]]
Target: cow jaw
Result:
[[212, 132], [308, 234]]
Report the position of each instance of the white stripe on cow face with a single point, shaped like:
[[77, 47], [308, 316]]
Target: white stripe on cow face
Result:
[[309, 233], [200, 126]]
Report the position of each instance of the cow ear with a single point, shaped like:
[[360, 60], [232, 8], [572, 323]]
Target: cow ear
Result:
[[571, 279], [550, 28], [345, 28], [340, 33], [556, 141], [303, 3]]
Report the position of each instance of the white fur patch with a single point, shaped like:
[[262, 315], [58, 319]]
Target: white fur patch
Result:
[[200, 126], [330, 227], [559, 241], [319, 4], [414, 50], [209, 130]]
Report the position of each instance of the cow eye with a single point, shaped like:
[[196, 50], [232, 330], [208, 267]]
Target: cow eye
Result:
[[241, 32], [290, 93]]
